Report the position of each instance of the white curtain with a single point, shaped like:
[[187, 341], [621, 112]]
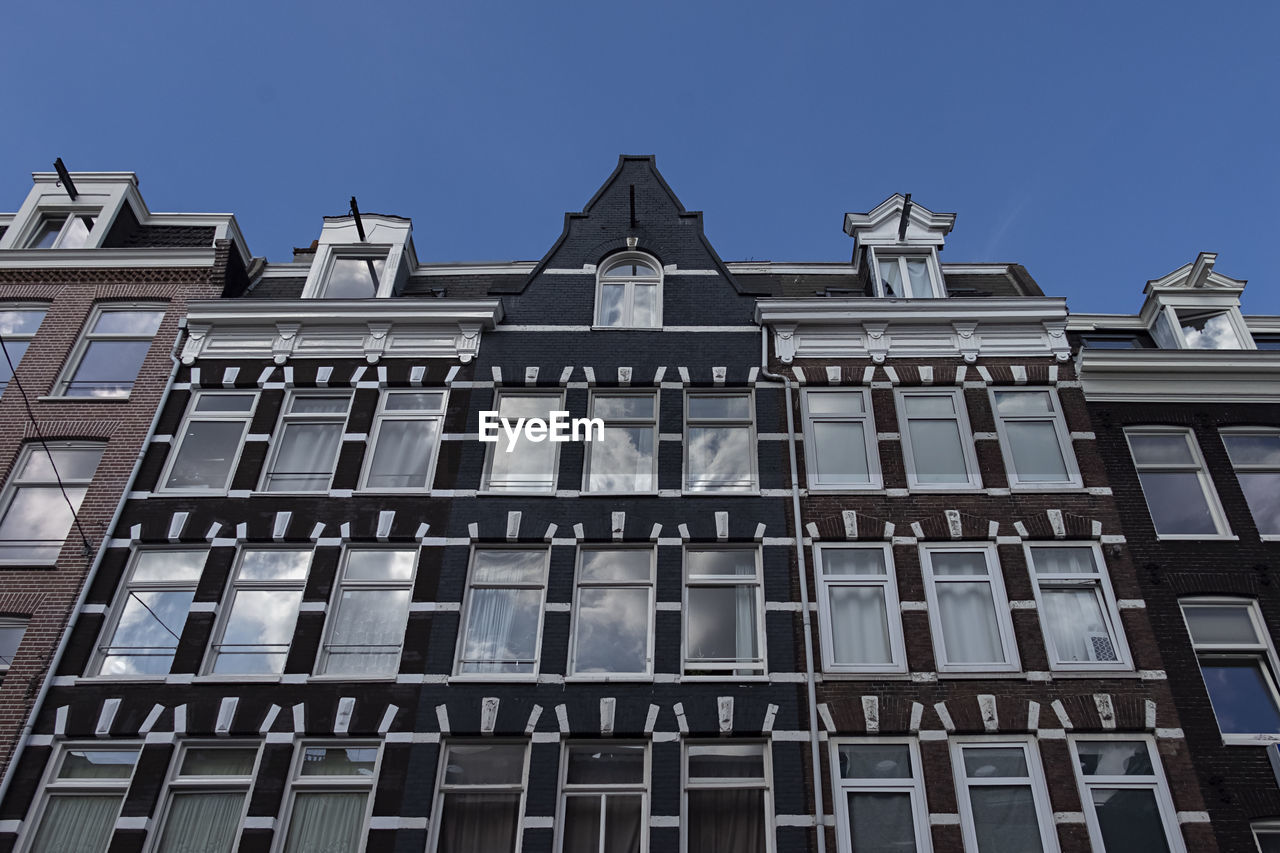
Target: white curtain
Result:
[[402, 454], [745, 631], [1004, 818], [859, 626], [968, 615], [77, 824], [1076, 625], [891, 278], [490, 629], [918, 270], [326, 823], [202, 822]]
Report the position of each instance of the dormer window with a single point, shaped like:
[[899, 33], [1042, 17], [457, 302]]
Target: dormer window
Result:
[[907, 275], [63, 231], [354, 276], [629, 293], [1186, 327]]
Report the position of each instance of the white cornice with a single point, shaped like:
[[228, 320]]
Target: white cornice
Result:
[[862, 327], [105, 258], [1221, 376], [338, 328]]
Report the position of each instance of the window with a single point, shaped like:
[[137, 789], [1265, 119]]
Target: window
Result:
[[1238, 664], [479, 801], [1033, 436], [1180, 498], [604, 798], [906, 276], [35, 517], [626, 459], [1004, 804], [936, 440], [527, 467], [80, 802], [858, 609], [1077, 608], [880, 801], [1207, 329], [1126, 800], [205, 455], [1266, 341], [723, 618], [406, 433], [111, 352], [968, 612], [1255, 455], [720, 442], [260, 611], [11, 630], [630, 293], [840, 447], [1267, 836], [17, 327], [369, 613], [328, 801], [151, 610], [63, 230], [613, 613], [305, 446], [727, 803], [502, 616], [206, 797], [1116, 340], [354, 276]]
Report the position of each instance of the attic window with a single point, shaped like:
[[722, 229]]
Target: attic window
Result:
[[63, 231], [907, 275], [1208, 330], [629, 293], [354, 276]]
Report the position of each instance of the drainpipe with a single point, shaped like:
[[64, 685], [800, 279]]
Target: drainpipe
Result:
[[815, 749], [56, 661]]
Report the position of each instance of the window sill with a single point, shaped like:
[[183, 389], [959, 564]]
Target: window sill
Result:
[[229, 678], [485, 493], [1194, 537], [191, 493], [876, 488], [1125, 671], [761, 676], [708, 493], [362, 679], [321, 493], [492, 677], [28, 565], [1250, 740], [1024, 488], [585, 494], [944, 488], [981, 673], [626, 328], [61, 398], [866, 675], [608, 679], [120, 679]]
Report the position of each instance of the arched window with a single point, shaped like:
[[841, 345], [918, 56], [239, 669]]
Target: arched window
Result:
[[629, 292]]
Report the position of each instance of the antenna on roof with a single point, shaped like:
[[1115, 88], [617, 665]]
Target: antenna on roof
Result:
[[64, 178], [902, 223], [355, 211]]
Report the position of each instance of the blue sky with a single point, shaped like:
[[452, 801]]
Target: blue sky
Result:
[[1099, 144]]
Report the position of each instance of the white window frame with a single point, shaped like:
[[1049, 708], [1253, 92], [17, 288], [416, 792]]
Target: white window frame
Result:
[[21, 337], [124, 591], [286, 418], [761, 668], [914, 787], [66, 212], [999, 599], [1155, 782], [816, 480], [603, 790], [1167, 323], [51, 786], [1197, 465], [15, 482], [465, 614], [424, 415], [749, 423], [628, 299], [1065, 447], [227, 607], [1252, 467], [650, 585], [332, 784], [341, 583], [629, 422], [68, 374], [500, 446], [175, 782], [246, 418], [10, 622], [1260, 828], [1264, 651], [443, 787], [1100, 580], [765, 784], [901, 254], [360, 252], [893, 612], [962, 426], [1034, 780]]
